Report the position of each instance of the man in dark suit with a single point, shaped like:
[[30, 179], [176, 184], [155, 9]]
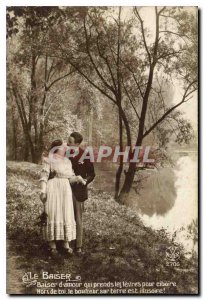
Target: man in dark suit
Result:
[[85, 169]]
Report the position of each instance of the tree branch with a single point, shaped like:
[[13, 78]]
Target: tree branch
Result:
[[50, 70], [169, 54], [161, 10], [130, 99], [85, 76], [59, 78], [186, 94], [134, 77], [92, 61], [107, 62], [175, 33], [143, 34]]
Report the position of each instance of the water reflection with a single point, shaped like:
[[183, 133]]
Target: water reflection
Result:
[[167, 198], [184, 208], [183, 213], [155, 193]]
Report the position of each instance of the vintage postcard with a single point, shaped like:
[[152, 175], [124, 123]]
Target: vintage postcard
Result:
[[102, 150]]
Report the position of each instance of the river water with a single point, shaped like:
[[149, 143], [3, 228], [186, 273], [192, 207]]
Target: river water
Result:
[[181, 216], [166, 198]]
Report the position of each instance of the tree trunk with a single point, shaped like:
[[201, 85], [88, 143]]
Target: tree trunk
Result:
[[36, 158], [122, 116], [90, 127], [26, 150], [120, 167], [37, 155], [14, 135], [129, 176]]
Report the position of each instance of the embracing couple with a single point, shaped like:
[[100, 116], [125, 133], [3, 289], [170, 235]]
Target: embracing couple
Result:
[[63, 191]]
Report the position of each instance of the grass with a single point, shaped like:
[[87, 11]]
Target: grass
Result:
[[118, 247]]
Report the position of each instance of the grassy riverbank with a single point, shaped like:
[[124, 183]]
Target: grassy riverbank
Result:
[[118, 247]]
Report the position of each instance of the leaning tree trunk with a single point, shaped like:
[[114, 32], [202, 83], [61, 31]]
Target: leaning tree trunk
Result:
[[129, 178], [130, 174]]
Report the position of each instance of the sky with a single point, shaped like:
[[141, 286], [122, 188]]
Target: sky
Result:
[[190, 108]]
